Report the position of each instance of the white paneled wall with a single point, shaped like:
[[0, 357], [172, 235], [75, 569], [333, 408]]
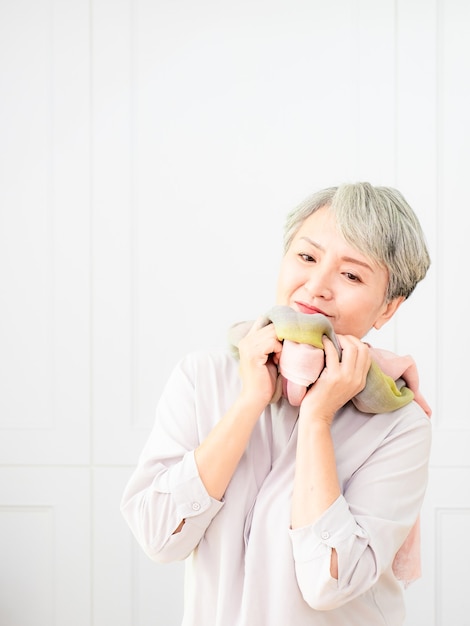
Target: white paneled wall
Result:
[[45, 541], [149, 152], [45, 232]]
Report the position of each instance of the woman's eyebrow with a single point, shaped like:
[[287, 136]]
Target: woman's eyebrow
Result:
[[349, 259], [313, 243]]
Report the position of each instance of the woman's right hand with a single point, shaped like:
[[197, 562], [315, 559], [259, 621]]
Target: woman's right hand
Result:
[[259, 350], [218, 455]]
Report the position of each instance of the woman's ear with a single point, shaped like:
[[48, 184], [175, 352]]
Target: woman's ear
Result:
[[390, 308]]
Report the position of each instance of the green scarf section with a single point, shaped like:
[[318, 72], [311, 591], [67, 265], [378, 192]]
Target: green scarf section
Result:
[[381, 393]]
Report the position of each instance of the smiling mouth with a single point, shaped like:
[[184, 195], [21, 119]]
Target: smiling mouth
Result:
[[311, 310]]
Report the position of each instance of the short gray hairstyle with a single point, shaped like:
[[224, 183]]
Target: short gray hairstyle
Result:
[[377, 221]]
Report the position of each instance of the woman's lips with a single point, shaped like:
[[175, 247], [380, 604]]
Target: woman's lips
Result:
[[306, 308]]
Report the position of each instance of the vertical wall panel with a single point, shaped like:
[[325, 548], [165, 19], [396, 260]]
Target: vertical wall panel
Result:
[[376, 74], [45, 548], [112, 568], [452, 526], [114, 217], [27, 555], [454, 139], [440, 598], [44, 232], [417, 168], [416, 142], [452, 431], [129, 588], [26, 164]]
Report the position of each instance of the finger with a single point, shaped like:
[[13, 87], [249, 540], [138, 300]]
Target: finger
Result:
[[267, 333], [365, 355], [356, 354], [356, 347], [331, 353], [260, 322], [261, 342]]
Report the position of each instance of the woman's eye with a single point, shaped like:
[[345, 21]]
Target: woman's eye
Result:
[[352, 277], [307, 258]]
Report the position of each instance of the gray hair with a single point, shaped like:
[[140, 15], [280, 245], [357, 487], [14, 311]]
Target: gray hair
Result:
[[377, 221]]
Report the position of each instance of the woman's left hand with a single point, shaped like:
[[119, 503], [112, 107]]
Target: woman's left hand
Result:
[[340, 380]]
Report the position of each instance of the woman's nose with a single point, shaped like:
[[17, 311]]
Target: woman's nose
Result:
[[319, 283]]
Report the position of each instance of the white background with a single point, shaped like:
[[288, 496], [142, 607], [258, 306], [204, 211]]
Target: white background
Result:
[[149, 153]]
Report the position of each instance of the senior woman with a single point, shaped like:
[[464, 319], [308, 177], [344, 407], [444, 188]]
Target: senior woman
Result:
[[293, 514]]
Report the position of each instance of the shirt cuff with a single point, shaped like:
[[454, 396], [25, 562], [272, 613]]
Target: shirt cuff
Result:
[[335, 526], [187, 489]]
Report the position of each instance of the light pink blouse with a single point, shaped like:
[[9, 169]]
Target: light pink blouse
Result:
[[245, 566]]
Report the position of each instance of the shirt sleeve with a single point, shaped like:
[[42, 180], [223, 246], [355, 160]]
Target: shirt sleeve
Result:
[[165, 488], [369, 522]]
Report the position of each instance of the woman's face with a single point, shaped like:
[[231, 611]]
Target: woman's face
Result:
[[322, 273]]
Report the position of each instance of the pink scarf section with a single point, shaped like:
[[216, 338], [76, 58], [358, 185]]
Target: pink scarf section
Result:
[[407, 561]]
